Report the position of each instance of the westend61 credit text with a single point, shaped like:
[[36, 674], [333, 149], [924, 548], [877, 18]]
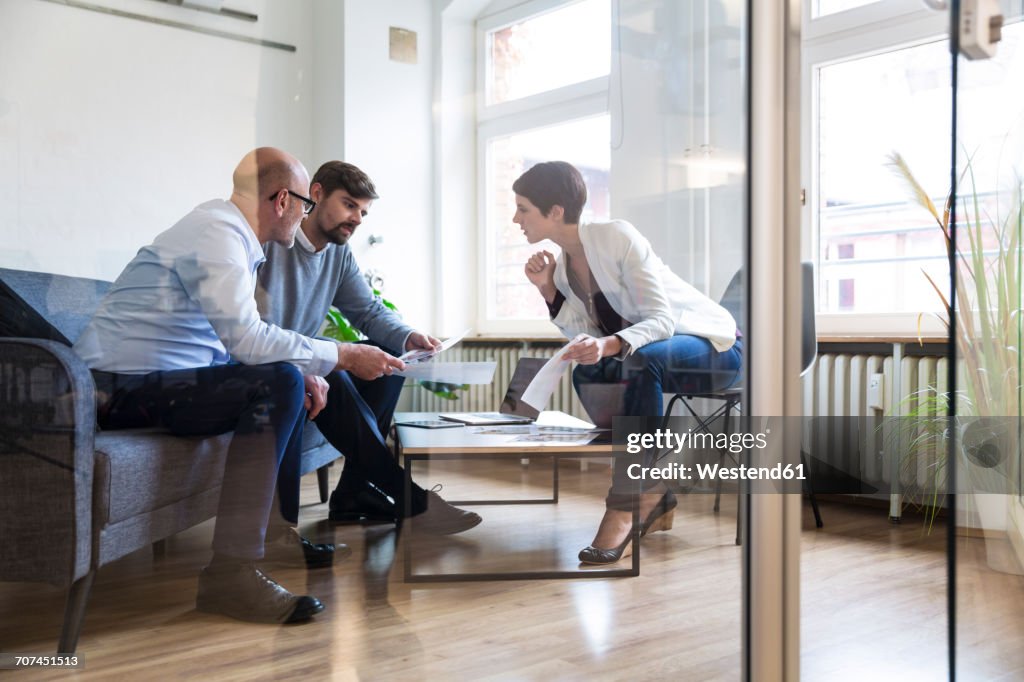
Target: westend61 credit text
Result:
[[668, 441]]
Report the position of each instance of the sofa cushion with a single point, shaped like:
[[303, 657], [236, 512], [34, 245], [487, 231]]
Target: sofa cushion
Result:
[[139, 470]]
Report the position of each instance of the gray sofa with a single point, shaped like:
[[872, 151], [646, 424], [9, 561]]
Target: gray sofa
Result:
[[72, 498]]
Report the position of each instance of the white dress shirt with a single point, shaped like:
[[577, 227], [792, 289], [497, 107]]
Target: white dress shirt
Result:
[[187, 301]]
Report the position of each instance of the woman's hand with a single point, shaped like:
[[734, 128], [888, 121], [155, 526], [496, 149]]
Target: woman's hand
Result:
[[588, 350], [540, 270]]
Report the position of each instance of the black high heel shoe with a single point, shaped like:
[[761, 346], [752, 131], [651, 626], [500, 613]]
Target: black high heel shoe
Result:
[[661, 516], [596, 555]]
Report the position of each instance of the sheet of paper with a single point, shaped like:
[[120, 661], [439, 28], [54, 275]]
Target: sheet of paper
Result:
[[451, 372], [561, 420], [546, 381], [557, 438], [416, 356], [535, 429]]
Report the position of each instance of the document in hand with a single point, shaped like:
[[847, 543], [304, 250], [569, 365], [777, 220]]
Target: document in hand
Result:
[[538, 393], [415, 356], [450, 372], [424, 365]]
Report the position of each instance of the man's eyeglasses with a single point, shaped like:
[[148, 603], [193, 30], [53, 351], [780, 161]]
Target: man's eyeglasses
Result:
[[307, 204]]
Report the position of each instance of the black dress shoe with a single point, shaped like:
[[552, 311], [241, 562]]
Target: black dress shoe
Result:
[[441, 518], [244, 592], [291, 549], [367, 505]]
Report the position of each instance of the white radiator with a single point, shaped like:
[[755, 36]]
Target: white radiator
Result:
[[488, 397], [838, 387]]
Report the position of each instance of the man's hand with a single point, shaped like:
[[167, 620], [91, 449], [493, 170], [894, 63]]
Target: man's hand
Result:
[[316, 394], [421, 341], [587, 350], [540, 270], [367, 362]]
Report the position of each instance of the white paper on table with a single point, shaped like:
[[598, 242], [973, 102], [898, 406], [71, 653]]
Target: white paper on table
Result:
[[568, 428], [450, 372], [538, 393], [557, 438], [416, 355]]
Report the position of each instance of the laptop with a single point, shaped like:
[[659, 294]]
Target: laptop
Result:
[[513, 410]]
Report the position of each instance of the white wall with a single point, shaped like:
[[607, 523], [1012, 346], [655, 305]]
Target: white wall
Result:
[[458, 280], [388, 133], [111, 129]]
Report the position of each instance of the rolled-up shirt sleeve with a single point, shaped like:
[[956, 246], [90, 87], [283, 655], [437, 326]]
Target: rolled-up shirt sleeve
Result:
[[219, 276]]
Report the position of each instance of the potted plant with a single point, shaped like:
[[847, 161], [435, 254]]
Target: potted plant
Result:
[[987, 333]]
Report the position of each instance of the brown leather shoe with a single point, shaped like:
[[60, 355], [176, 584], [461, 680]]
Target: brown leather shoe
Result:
[[244, 592], [441, 518]]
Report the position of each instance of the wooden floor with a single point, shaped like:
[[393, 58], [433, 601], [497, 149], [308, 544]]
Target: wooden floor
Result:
[[873, 601]]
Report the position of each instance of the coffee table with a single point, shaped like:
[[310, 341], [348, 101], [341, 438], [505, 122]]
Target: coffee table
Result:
[[461, 443]]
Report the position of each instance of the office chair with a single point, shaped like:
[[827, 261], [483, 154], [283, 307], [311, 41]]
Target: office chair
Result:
[[731, 397]]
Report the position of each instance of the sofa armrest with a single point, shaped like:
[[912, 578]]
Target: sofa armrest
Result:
[[47, 431]]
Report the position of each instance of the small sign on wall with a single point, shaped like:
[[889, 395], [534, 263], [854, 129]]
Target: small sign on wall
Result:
[[402, 45]]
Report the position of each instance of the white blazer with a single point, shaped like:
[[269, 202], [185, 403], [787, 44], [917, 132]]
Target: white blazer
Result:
[[640, 288]]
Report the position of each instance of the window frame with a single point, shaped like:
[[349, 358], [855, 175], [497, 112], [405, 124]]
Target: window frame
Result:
[[571, 102]]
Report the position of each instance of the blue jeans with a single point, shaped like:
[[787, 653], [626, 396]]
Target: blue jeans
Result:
[[678, 364]]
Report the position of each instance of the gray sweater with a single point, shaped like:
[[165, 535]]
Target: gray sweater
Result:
[[296, 287]]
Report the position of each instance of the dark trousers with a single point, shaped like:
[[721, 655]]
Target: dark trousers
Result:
[[262, 404], [678, 364], [357, 417]]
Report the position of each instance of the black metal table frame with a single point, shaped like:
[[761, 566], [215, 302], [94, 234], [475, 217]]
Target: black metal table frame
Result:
[[410, 577]]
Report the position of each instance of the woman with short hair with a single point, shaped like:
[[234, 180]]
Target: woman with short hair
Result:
[[632, 322]]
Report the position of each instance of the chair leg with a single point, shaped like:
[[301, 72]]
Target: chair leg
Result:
[[718, 483], [810, 492], [740, 501], [322, 482], [74, 613], [721, 456]]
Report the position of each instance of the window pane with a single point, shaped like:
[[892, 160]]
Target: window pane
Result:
[[559, 48], [873, 240], [583, 143], [823, 7]]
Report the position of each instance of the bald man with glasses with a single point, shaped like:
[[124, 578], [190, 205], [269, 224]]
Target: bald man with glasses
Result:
[[178, 343]]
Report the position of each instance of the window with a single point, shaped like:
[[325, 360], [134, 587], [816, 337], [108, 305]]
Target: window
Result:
[[531, 56], [585, 141], [877, 82], [872, 242], [543, 97]]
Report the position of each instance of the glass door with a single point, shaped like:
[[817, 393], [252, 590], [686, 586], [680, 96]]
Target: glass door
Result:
[[986, 542], [876, 110]]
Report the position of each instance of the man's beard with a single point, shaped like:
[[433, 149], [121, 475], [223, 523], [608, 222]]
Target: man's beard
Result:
[[338, 236]]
